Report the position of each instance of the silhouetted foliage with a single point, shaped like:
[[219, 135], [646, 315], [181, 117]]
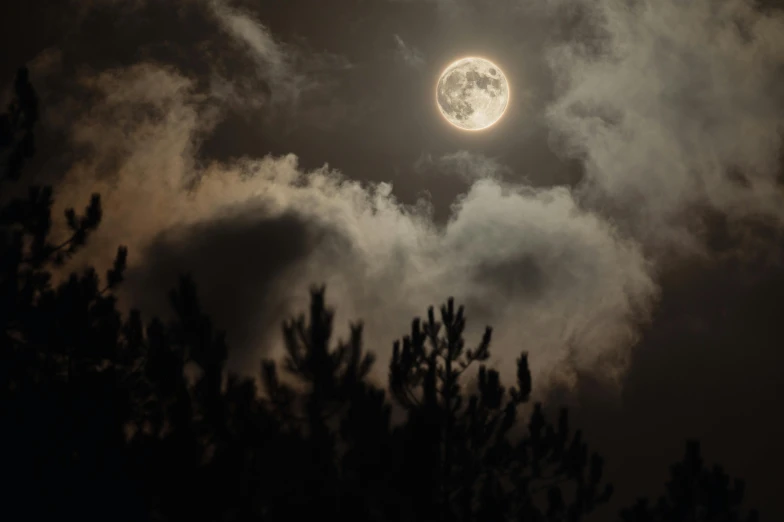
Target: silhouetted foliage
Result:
[[475, 470], [63, 444], [17, 140], [108, 417], [695, 493]]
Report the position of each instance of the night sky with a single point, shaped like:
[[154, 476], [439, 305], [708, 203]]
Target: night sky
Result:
[[622, 222]]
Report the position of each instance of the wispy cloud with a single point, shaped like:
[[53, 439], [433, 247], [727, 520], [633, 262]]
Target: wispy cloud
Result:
[[410, 55], [678, 98], [283, 73]]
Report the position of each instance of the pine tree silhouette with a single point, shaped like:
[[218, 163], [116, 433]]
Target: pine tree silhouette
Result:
[[57, 382], [694, 494], [328, 385], [465, 465], [17, 139]]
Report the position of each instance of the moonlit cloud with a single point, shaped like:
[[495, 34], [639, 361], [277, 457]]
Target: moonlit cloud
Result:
[[568, 274], [272, 61], [530, 262], [469, 166], [283, 74], [681, 107], [410, 55]]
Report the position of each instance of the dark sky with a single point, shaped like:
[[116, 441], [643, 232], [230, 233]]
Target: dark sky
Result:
[[622, 222]]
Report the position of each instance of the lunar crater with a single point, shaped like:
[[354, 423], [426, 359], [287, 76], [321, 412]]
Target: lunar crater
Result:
[[472, 93]]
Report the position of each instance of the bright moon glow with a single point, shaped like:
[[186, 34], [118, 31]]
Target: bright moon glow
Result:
[[472, 93]]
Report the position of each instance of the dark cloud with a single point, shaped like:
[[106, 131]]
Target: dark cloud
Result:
[[242, 264]]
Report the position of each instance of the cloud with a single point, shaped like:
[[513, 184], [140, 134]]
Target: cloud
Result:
[[283, 72], [469, 166], [444, 6], [241, 261], [530, 262], [410, 55], [561, 272], [677, 107], [272, 61]]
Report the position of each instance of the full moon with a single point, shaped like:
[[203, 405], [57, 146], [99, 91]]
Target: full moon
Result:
[[472, 93]]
